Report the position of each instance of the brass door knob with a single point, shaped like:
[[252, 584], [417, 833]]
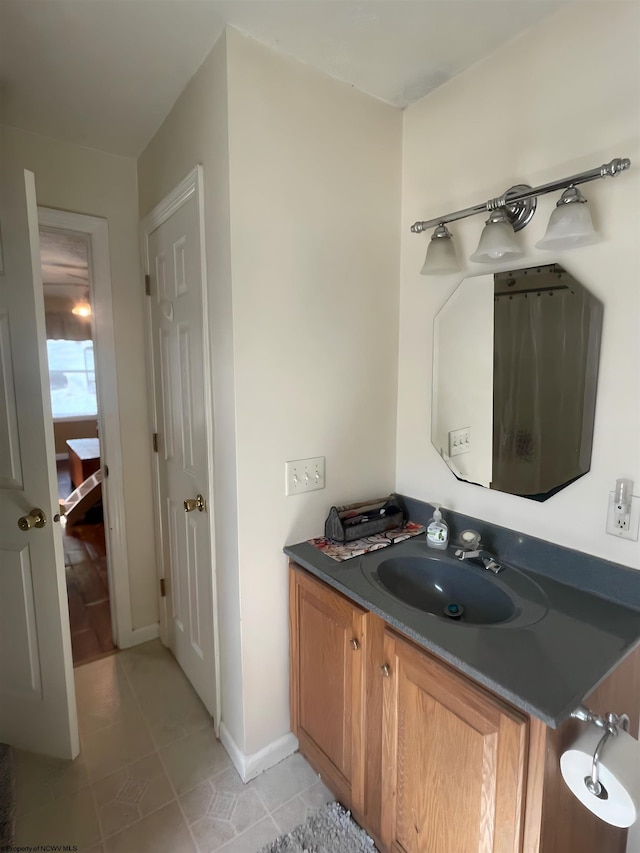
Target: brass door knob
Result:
[[355, 645], [385, 669], [36, 518], [198, 503]]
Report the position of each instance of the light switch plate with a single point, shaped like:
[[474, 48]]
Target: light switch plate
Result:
[[631, 532], [304, 475], [459, 441]]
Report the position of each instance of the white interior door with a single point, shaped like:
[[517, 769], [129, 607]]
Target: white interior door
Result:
[[175, 267], [37, 696]]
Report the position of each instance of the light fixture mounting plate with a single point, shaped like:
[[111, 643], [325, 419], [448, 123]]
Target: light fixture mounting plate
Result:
[[519, 212]]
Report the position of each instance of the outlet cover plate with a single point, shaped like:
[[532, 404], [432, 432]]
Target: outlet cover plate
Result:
[[631, 532], [304, 475], [459, 441]]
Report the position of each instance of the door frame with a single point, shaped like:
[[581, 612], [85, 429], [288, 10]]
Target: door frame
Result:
[[100, 296], [191, 185]]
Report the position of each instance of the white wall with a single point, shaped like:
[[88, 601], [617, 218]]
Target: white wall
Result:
[[82, 180], [195, 131], [463, 371], [302, 179], [304, 328], [315, 197], [561, 98]]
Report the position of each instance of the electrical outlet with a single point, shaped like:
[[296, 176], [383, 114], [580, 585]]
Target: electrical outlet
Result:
[[459, 441], [625, 526], [304, 475], [622, 522]]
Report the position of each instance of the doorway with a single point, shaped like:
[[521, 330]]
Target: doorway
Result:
[[180, 386], [65, 258], [87, 430]]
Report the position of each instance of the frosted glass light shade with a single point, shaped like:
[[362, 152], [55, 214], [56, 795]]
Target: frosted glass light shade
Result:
[[497, 242], [441, 257], [570, 224]]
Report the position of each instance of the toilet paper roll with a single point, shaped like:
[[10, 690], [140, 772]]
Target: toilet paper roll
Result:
[[619, 774]]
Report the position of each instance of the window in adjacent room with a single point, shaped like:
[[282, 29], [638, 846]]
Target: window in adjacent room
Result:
[[65, 272], [72, 378]]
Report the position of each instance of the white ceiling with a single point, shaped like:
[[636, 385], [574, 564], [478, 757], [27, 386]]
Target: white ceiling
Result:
[[64, 259], [104, 73]]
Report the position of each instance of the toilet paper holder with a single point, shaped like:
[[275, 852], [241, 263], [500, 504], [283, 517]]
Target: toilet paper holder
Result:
[[611, 723]]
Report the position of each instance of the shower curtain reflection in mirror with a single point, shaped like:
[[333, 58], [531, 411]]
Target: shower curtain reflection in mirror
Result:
[[534, 357], [543, 397]]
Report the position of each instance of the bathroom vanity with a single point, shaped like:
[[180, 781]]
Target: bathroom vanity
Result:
[[445, 737]]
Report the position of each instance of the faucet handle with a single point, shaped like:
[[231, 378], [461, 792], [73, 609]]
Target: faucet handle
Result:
[[491, 564], [466, 554]]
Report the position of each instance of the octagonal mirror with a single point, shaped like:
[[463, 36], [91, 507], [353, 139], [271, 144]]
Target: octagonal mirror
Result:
[[515, 368]]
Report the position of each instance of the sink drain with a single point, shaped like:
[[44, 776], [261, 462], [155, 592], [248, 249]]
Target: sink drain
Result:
[[454, 611]]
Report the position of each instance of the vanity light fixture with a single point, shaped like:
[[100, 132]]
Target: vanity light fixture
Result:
[[497, 241], [441, 254], [570, 224]]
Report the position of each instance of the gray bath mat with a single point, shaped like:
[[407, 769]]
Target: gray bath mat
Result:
[[330, 830], [7, 797]]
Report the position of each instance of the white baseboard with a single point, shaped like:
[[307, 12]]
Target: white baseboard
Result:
[[250, 766], [139, 635], [62, 457]]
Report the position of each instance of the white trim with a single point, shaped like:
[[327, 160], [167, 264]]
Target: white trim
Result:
[[69, 419], [62, 457], [108, 410], [140, 635], [210, 426], [250, 766], [192, 184], [170, 203], [155, 468]]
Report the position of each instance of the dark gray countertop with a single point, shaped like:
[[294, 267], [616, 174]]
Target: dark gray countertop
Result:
[[545, 668]]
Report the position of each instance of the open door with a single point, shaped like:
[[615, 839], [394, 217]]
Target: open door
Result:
[[37, 695]]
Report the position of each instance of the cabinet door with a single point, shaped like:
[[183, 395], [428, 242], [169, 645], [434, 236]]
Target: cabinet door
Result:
[[327, 639], [453, 760]]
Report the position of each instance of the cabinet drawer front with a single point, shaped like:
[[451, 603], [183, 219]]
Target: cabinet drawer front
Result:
[[453, 760]]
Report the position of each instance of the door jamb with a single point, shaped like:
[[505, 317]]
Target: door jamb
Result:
[[108, 411], [191, 184]]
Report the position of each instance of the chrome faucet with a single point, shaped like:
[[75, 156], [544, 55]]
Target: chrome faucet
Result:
[[487, 560], [473, 551]]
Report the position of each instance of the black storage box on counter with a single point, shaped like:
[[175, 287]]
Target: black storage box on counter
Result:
[[354, 521]]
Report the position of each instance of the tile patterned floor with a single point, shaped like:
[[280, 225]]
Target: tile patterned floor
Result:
[[151, 776]]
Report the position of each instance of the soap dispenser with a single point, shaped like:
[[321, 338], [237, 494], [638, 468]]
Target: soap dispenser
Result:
[[437, 531]]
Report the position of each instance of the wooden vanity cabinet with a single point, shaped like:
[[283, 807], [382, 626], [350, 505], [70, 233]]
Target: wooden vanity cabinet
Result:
[[453, 759], [427, 760], [327, 642]]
